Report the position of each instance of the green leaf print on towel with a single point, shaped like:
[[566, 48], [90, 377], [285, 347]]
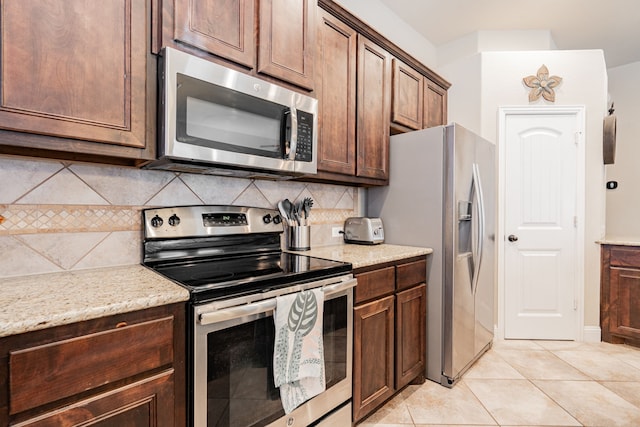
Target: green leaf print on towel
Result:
[[303, 313]]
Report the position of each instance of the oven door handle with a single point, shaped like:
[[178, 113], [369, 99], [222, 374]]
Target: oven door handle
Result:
[[266, 305], [339, 287], [235, 312]]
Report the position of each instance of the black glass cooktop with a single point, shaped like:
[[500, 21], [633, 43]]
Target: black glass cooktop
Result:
[[226, 277]]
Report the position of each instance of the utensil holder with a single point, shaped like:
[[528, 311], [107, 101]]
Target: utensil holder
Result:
[[299, 238]]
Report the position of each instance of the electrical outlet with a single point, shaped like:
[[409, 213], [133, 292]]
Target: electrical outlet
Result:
[[336, 231]]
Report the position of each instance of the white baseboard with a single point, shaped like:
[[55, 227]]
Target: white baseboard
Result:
[[592, 334]]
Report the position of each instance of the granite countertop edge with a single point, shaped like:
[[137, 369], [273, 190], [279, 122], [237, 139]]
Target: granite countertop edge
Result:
[[366, 255], [41, 301], [618, 242]]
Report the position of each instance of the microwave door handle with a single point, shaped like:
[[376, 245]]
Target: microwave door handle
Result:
[[293, 113]]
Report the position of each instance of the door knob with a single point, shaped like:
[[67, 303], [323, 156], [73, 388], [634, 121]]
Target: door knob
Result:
[[512, 238]]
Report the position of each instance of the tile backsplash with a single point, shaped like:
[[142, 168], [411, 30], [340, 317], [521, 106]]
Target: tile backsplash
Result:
[[59, 216]]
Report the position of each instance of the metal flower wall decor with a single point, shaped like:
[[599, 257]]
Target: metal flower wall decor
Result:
[[542, 85]]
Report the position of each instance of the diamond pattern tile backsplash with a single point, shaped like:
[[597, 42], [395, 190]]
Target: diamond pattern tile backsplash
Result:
[[58, 216]]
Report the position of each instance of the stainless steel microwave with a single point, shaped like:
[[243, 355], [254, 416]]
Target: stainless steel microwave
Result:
[[216, 120]]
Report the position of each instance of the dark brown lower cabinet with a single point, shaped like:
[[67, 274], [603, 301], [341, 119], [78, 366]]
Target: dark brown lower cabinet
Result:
[[620, 294], [389, 332], [373, 355], [121, 370], [410, 335]]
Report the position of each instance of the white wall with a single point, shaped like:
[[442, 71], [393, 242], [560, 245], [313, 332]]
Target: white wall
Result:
[[485, 41], [464, 95], [623, 204], [378, 16]]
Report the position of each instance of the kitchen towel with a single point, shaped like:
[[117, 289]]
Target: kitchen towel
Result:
[[298, 357]]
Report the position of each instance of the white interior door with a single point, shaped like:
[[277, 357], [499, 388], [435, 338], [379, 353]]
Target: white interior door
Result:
[[541, 256]]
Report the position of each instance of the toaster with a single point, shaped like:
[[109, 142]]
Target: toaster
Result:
[[363, 231]]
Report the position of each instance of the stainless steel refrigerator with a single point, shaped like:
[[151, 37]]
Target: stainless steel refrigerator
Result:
[[441, 194]]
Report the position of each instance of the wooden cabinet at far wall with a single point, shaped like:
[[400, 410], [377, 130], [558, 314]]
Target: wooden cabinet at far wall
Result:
[[620, 294], [389, 349], [78, 81], [122, 370], [270, 37]]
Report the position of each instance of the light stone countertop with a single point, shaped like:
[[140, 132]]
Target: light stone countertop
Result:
[[35, 302], [42, 301], [366, 255], [619, 242]]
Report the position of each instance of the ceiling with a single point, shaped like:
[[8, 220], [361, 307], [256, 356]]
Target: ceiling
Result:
[[610, 25]]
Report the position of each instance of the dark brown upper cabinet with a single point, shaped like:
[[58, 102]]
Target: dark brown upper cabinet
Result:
[[269, 37], [76, 79], [336, 93], [374, 110], [435, 105], [287, 40], [367, 89], [408, 96], [354, 100], [221, 27]]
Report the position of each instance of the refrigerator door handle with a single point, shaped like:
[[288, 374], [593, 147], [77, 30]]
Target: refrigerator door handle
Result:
[[477, 185]]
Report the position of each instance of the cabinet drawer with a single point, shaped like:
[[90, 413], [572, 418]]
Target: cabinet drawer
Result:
[[625, 257], [61, 369], [411, 274], [143, 403], [374, 284]]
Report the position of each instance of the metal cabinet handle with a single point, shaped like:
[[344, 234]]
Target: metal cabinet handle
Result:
[[512, 238]]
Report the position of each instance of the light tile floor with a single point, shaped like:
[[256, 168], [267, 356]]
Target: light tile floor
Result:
[[528, 383]]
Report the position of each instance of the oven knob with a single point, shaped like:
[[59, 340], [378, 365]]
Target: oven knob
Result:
[[277, 219], [156, 221], [266, 218], [174, 220]]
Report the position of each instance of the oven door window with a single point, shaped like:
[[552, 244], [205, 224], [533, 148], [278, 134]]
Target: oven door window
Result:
[[216, 117], [240, 387]]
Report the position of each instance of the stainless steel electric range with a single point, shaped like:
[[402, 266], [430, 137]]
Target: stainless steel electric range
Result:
[[230, 260]]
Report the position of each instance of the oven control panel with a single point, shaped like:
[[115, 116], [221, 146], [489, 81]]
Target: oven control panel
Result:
[[209, 220]]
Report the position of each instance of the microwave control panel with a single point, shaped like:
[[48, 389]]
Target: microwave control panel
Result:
[[304, 148]]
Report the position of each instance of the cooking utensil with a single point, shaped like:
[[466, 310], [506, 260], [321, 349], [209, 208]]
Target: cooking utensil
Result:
[[306, 207], [290, 209], [296, 213], [283, 212]]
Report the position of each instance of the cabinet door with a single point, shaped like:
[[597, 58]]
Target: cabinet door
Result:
[[336, 93], [410, 334], [145, 403], [221, 27], [435, 105], [76, 69], [374, 105], [287, 40], [408, 94], [372, 355], [624, 301]]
